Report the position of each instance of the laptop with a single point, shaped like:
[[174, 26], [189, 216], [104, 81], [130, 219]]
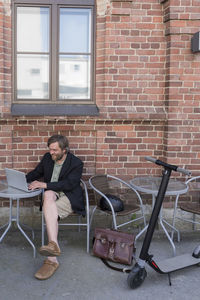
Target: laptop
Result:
[[17, 179]]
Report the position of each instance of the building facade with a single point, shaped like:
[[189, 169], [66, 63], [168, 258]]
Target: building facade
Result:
[[143, 85]]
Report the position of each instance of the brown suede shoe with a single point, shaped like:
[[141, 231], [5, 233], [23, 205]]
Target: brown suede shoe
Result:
[[51, 249], [47, 270]]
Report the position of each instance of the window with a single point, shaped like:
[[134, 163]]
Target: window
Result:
[[54, 45]]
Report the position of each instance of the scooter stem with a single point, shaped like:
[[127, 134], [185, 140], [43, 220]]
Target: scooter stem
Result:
[[155, 214]]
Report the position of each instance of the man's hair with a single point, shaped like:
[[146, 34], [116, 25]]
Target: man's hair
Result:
[[62, 141]]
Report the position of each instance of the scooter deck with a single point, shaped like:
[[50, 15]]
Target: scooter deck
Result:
[[177, 262]]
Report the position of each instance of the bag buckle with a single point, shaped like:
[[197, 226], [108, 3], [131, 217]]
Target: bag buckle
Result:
[[111, 251], [123, 245], [103, 240]]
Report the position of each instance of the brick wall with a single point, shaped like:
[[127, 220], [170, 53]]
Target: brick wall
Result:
[[182, 141], [147, 92]]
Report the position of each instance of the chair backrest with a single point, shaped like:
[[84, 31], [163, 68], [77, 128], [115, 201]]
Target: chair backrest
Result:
[[193, 196], [100, 185], [107, 184]]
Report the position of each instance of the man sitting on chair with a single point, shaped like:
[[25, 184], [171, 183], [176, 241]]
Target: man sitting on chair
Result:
[[61, 172]]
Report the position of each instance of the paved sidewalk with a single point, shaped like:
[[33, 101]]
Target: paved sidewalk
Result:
[[82, 276]]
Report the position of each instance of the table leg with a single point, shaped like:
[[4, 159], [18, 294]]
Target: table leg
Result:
[[173, 229], [8, 224], [168, 236], [29, 228], [174, 219], [22, 231], [161, 220]]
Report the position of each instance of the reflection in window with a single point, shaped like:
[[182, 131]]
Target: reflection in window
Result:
[[33, 29], [74, 83], [32, 40], [76, 67], [74, 70], [32, 75], [75, 30], [35, 71]]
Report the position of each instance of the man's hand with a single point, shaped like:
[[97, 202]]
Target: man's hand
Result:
[[37, 185]]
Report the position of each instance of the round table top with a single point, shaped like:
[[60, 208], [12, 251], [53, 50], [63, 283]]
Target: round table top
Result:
[[9, 192], [151, 184]]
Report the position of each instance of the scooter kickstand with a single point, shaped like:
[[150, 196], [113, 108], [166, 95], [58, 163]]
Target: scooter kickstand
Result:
[[169, 278]]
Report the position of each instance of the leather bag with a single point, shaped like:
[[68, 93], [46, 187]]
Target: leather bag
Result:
[[115, 246]]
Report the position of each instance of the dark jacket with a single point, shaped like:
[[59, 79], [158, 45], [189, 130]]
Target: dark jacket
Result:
[[68, 182]]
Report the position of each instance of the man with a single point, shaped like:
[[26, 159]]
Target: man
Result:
[[61, 172]]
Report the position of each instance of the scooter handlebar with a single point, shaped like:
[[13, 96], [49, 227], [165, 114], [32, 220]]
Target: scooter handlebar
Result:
[[149, 158], [172, 167], [184, 171]]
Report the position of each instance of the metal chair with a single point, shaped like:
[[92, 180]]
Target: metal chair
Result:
[[108, 184], [80, 218], [190, 207]]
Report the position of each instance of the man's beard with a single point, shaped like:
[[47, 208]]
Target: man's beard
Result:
[[58, 156]]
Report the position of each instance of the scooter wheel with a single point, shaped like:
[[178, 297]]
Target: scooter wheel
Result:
[[196, 252], [136, 276]]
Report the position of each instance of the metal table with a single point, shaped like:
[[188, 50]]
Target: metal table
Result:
[[15, 195], [150, 185]]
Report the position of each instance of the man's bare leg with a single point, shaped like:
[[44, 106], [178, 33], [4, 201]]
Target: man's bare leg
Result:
[[51, 218]]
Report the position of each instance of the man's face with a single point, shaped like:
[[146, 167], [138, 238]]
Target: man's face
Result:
[[56, 152]]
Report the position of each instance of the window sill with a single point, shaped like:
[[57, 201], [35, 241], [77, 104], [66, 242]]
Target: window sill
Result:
[[54, 110]]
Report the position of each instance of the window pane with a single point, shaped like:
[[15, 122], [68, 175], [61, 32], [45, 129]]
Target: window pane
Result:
[[32, 76], [75, 28], [33, 29], [74, 77]]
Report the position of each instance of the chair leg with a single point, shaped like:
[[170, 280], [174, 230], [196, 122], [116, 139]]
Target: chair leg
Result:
[[114, 222], [79, 221], [142, 209], [88, 238], [193, 224], [88, 232], [43, 229], [92, 214]]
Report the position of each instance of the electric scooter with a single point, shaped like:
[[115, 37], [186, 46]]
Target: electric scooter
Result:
[[138, 273]]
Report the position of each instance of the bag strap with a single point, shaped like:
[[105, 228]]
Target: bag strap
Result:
[[123, 270]]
